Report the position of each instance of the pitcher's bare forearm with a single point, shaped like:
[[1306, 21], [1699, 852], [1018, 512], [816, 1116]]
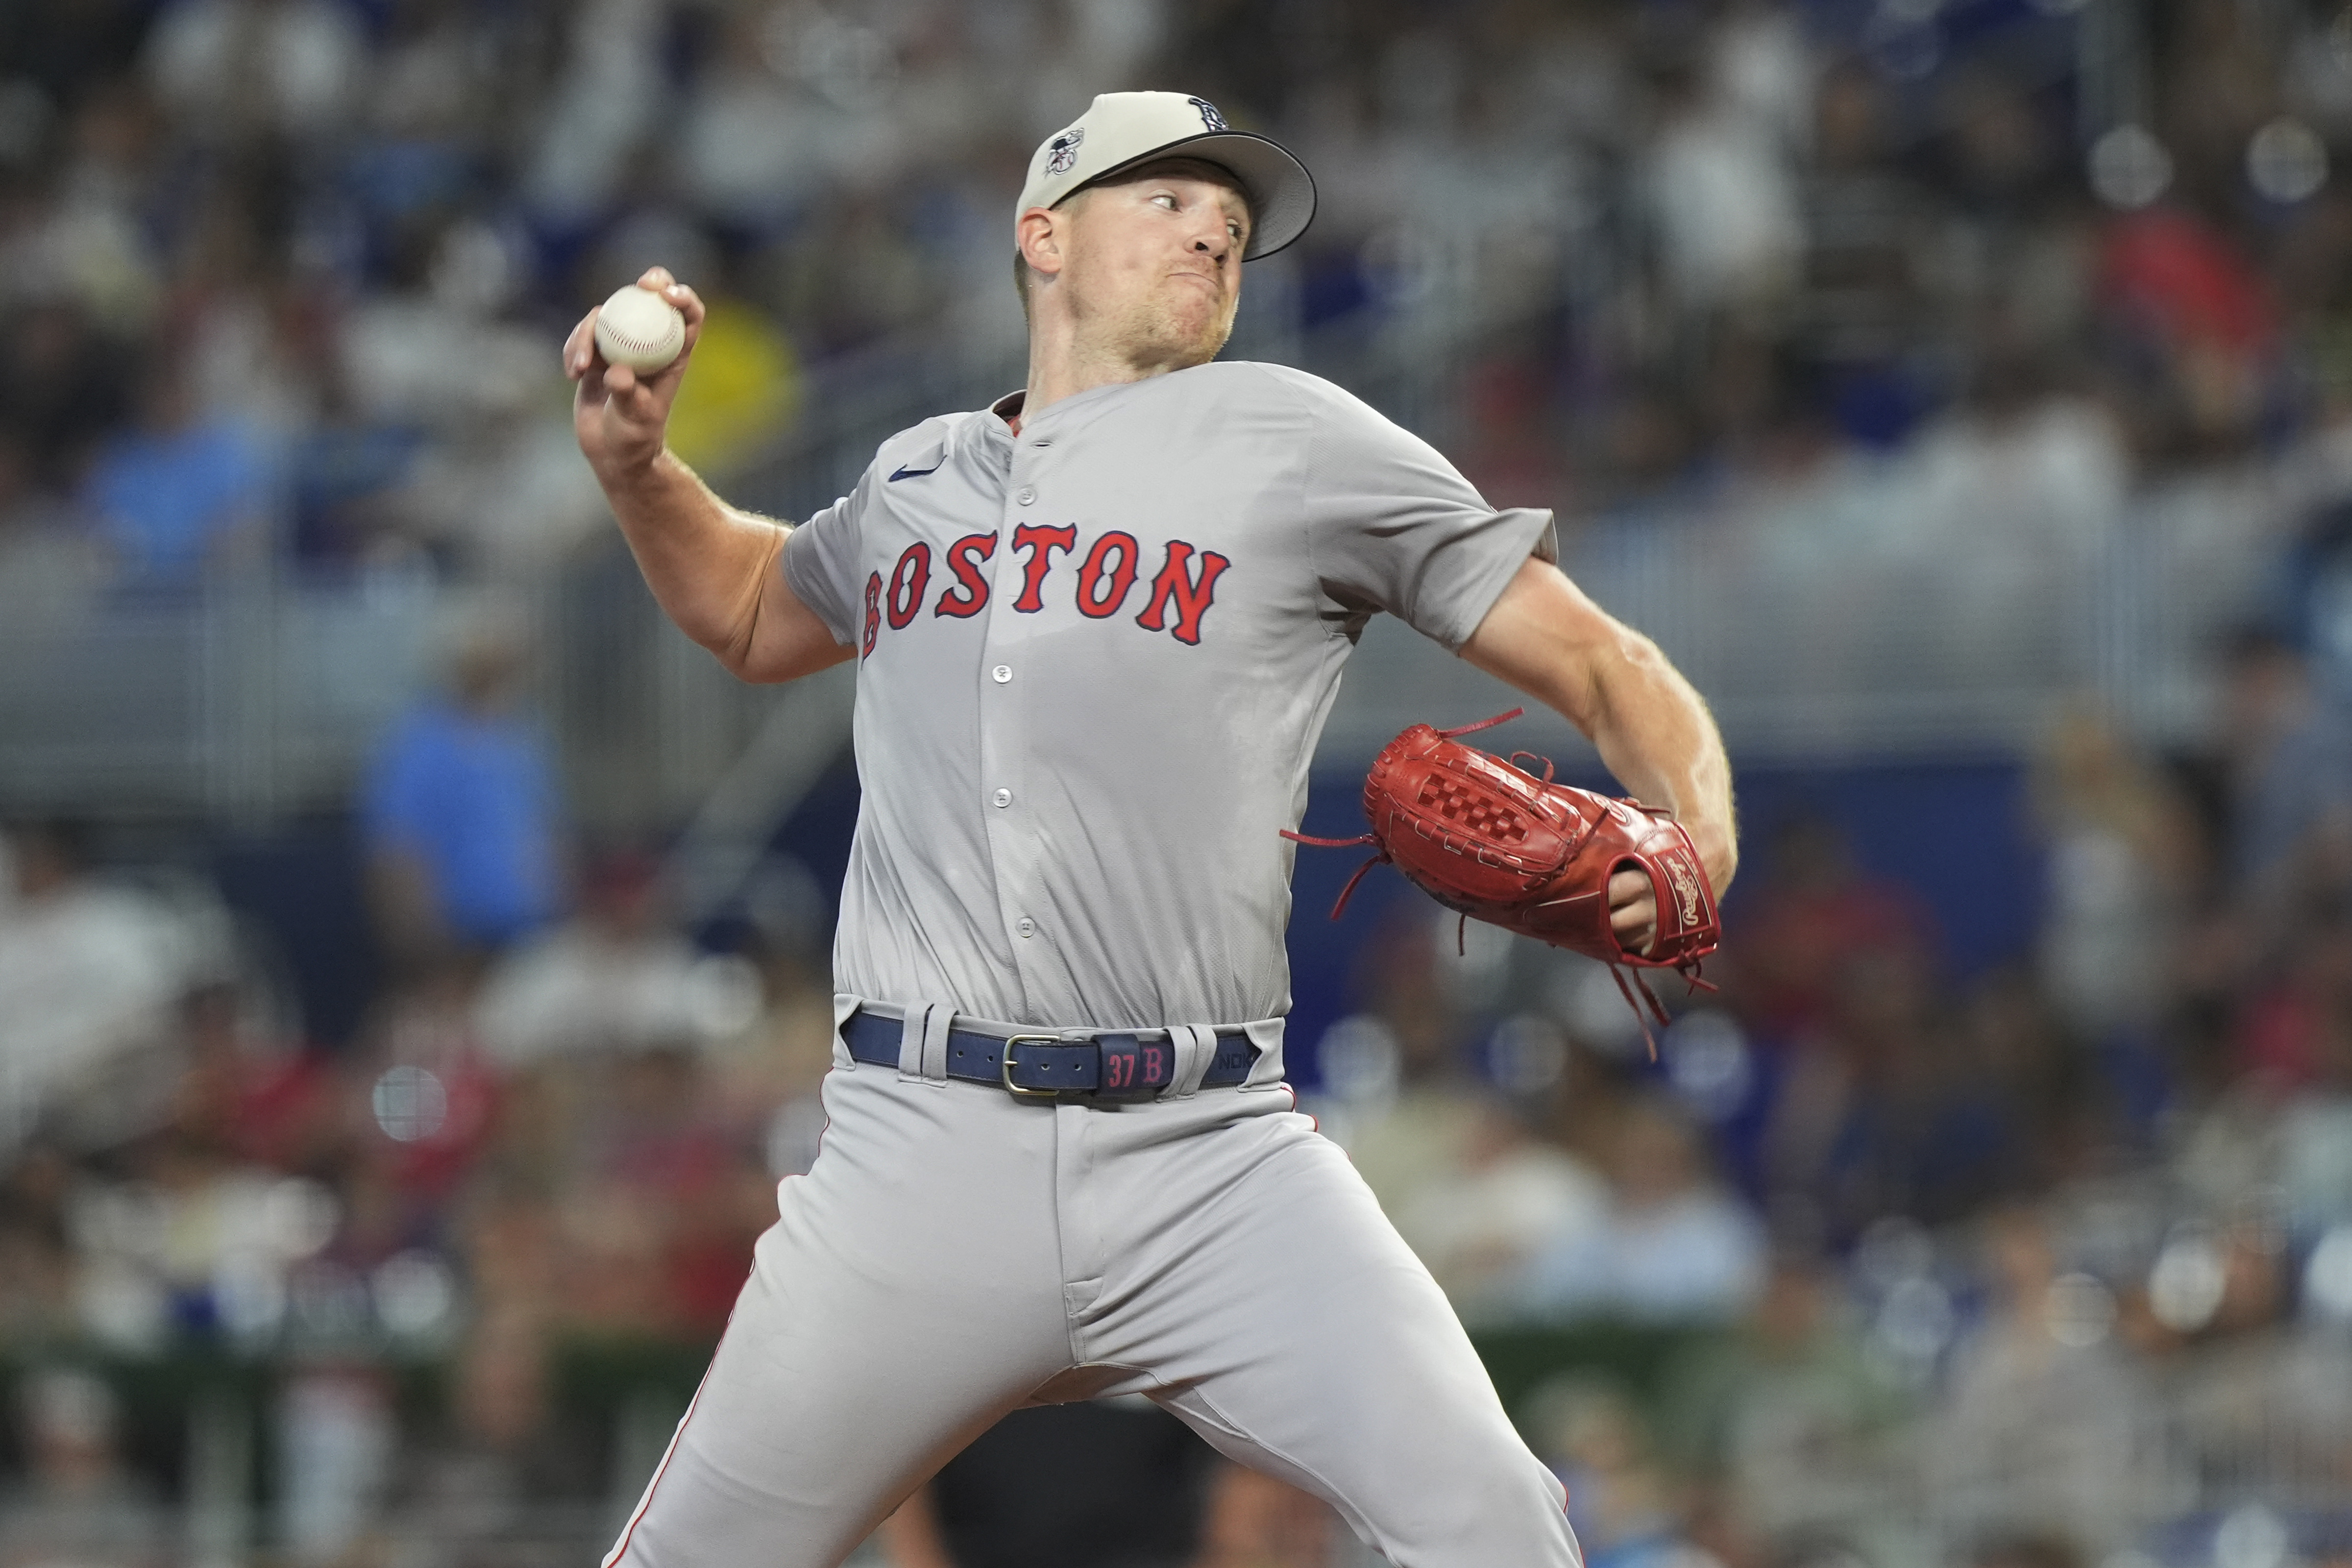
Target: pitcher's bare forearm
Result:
[[1655, 733], [1652, 730], [706, 561], [715, 569]]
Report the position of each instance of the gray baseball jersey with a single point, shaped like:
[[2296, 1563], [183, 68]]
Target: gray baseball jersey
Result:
[[1095, 659]]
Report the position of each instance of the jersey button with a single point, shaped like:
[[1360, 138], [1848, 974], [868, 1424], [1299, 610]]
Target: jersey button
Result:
[[1026, 927], [1027, 496], [1003, 797], [1001, 674]]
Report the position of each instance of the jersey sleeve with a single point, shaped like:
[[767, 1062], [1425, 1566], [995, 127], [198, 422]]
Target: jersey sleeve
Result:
[[1391, 525], [820, 565]]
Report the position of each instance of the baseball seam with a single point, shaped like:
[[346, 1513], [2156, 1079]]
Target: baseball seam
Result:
[[633, 342]]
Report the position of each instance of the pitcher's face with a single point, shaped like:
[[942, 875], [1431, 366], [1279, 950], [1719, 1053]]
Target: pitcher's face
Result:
[[1153, 263]]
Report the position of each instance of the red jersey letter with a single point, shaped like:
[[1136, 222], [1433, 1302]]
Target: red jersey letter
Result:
[[1192, 597], [1096, 596], [872, 608], [908, 581], [1040, 541], [970, 593]]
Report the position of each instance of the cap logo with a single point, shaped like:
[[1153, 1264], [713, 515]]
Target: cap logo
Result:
[[1062, 152], [1209, 115]]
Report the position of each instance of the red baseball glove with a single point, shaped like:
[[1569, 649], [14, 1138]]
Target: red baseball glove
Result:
[[1486, 837]]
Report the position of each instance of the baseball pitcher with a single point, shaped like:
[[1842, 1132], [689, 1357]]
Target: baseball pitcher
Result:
[[1098, 627]]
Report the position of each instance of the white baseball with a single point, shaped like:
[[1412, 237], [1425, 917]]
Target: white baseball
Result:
[[638, 328]]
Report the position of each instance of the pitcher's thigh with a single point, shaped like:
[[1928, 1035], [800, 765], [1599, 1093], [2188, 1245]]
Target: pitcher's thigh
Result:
[[907, 1296], [1304, 1339], [817, 1416]]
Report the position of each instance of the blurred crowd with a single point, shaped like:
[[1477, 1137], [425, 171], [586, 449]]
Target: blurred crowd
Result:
[[1876, 1259], [2026, 1267], [288, 274]]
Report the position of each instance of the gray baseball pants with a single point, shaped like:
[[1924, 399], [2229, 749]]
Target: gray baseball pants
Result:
[[955, 1254]]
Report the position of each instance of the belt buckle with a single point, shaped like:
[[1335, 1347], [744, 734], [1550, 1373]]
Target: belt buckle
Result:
[[1004, 1067]]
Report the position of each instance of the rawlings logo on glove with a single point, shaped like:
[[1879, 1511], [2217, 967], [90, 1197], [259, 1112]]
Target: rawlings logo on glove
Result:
[[1488, 838]]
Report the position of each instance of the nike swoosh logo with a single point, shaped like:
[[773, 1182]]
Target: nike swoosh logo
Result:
[[904, 473]]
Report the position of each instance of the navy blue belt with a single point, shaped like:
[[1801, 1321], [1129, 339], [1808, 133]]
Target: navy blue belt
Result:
[[1111, 1068]]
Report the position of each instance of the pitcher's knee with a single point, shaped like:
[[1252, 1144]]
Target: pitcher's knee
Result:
[[1513, 1512]]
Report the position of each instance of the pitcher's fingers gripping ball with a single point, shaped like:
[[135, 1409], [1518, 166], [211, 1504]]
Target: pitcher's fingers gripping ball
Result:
[[628, 357], [1483, 836]]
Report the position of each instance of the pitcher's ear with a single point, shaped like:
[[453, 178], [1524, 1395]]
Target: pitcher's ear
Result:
[[1038, 234]]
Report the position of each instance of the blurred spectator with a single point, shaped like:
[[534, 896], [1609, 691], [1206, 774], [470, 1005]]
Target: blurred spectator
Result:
[[774, 1072], [1907, 1106], [1479, 1224], [1409, 1108], [2124, 859], [615, 977], [421, 1079], [50, 569], [601, 93], [2192, 309], [77, 1503], [2290, 1031], [340, 471], [235, 69], [460, 812], [1786, 1427], [1622, 1501], [2288, 751], [36, 1265], [2003, 161], [175, 491], [96, 248], [1818, 913], [2046, 1424], [442, 303], [193, 1244], [1674, 1245], [757, 144], [2272, 1399], [88, 973], [1720, 191], [2315, 1125], [248, 1089], [661, 1217]]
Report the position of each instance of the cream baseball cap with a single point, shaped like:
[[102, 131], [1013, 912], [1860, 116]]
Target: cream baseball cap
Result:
[[1120, 130]]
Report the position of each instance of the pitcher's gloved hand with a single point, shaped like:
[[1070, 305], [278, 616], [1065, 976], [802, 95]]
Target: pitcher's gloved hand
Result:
[[1485, 837]]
